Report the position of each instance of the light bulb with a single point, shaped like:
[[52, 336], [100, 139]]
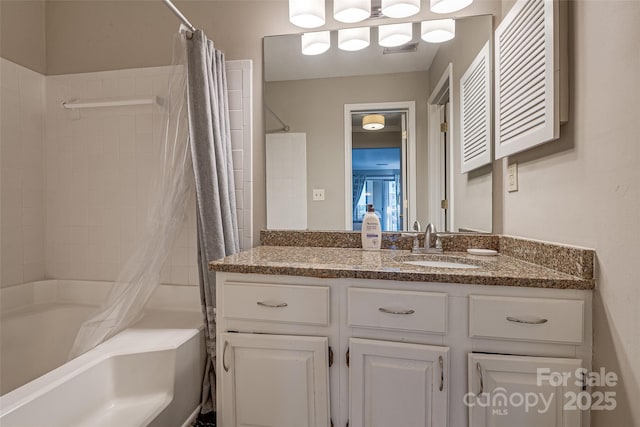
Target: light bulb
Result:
[[352, 39], [316, 43], [306, 13], [395, 34], [350, 11]]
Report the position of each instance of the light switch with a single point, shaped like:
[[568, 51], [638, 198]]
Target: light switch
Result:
[[318, 194], [512, 177]]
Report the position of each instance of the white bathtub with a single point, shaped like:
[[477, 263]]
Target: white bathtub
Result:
[[148, 375]]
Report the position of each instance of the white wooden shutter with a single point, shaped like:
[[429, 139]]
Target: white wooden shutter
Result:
[[527, 77], [475, 110]]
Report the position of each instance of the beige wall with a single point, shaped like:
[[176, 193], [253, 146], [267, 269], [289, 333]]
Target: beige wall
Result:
[[87, 36], [584, 189], [472, 192], [316, 106], [22, 33]]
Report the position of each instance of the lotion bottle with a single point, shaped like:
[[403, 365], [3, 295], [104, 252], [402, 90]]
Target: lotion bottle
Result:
[[371, 231]]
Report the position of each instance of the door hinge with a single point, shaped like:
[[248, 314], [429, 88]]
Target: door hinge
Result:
[[347, 359], [330, 356], [331, 421], [444, 127], [444, 204], [347, 423]]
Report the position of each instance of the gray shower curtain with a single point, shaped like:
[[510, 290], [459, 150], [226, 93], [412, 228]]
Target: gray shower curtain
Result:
[[210, 141]]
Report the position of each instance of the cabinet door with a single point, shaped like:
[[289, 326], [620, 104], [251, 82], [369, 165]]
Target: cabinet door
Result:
[[507, 391], [397, 384], [274, 380]]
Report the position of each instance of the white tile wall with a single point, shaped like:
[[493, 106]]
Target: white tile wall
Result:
[[239, 78], [22, 196], [80, 215]]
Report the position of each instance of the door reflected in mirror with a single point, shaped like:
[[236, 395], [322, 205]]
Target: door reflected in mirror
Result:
[[378, 167], [411, 173]]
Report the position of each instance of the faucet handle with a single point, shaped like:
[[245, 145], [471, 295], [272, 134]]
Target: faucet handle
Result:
[[416, 226], [438, 241]]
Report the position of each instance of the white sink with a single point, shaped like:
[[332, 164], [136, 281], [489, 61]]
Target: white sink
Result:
[[440, 264]]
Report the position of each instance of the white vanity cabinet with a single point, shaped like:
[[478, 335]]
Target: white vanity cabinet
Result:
[[274, 380], [401, 384], [303, 351], [508, 391]]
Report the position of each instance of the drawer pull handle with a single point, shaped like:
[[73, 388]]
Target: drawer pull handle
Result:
[[272, 305], [389, 311], [479, 369], [441, 362], [224, 353], [527, 321]]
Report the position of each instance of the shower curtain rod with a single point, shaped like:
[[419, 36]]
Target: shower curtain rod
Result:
[[179, 14]]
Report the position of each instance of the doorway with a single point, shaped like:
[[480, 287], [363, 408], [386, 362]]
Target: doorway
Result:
[[380, 164], [440, 128]]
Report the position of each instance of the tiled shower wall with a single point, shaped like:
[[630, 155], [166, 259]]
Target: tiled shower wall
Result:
[[98, 173], [22, 135]]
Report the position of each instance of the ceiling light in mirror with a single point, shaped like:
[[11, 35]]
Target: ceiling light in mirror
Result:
[[438, 31], [395, 34], [316, 43], [351, 11], [448, 6], [400, 8], [373, 122], [306, 13], [352, 39]]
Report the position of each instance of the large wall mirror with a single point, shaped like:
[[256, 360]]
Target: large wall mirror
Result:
[[349, 128]]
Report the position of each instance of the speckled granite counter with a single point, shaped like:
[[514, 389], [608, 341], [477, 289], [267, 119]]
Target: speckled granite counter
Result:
[[327, 262]]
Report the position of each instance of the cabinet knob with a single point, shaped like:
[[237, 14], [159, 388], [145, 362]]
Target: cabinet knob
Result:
[[528, 321], [224, 353], [391, 311], [272, 305]]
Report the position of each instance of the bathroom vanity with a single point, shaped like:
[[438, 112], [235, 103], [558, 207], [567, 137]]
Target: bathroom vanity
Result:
[[311, 336]]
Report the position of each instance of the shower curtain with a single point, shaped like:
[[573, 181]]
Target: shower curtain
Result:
[[210, 141], [174, 183]]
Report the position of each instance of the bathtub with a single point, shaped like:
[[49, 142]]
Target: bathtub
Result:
[[147, 375]]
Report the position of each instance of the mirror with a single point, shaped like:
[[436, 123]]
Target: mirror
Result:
[[314, 107]]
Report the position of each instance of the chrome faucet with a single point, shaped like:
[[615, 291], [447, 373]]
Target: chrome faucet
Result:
[[427, 235], [428, 249]]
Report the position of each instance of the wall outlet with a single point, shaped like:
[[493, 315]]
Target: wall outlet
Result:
[[512, 177], [318, 194]]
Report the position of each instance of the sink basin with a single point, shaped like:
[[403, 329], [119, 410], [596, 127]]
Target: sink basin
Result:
[[440, 264], [440, 261]]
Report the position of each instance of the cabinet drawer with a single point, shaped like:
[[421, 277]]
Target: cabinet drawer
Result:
[[403, 310], [528, 319], [277, 303]]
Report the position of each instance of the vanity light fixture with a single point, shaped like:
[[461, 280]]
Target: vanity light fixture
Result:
[[353, 39], [438, 31], [350, 11], [448, 6], [316, 43], [395, 34], [400, 8], [373, 122], [306, 13]]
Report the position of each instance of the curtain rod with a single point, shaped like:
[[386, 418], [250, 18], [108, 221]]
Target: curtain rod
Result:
[[179, 14]]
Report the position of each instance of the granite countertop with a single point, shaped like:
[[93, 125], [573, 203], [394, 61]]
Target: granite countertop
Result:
[[327, 262]]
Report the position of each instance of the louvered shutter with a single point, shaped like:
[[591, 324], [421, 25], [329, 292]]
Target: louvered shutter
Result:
[[526, 77], [475, 109]]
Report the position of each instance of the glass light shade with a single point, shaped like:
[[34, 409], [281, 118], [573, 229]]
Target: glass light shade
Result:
[[438, 31], [306, 13], [373, 122], [316, 43], [400, 8], [354, 38], [395, 34], [351, 11], [448, 6]]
